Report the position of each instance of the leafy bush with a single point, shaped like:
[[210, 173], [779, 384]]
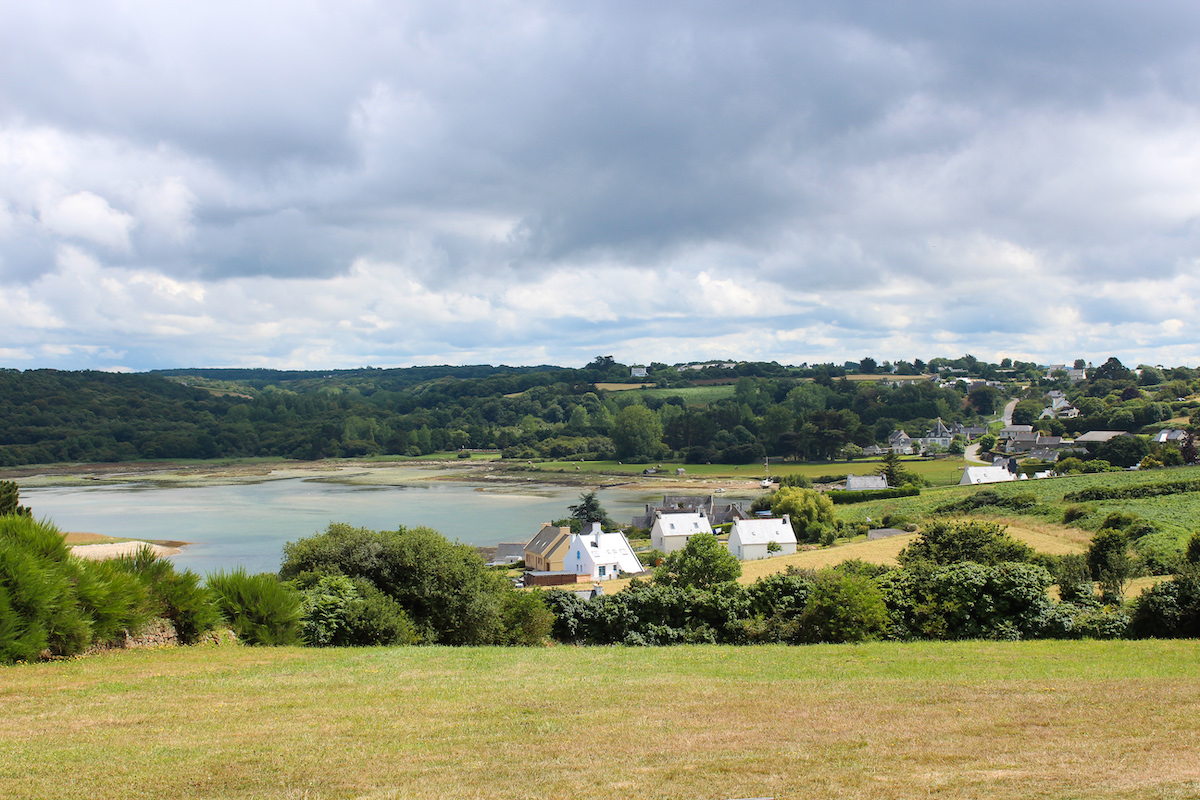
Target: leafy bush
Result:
[[176, 596], [842, 497], [445, 588], [1170, 609], [9, 500], [339, 612], [1158, 553], [1075, 512], [1109, 562], [702, 563], [843, 607], [52, 601], [1087, 620], [1074, 579], [1159, 489], [948, 543], [811, 512], [527, 619], [988, 498], [967, 600], [260, 609]]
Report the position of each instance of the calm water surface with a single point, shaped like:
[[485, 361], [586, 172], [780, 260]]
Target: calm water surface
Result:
[[246, 525]]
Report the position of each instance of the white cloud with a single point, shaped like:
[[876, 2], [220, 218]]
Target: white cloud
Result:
[[86, 216], [423, 183]]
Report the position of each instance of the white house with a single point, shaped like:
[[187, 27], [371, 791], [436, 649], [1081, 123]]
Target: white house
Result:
[[750, 539], [671, 531], [973, 476], [602, 556], [865, 483]]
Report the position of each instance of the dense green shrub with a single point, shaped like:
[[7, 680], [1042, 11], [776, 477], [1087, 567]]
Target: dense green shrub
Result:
[[987, 498], [842, 497], [1159, 489], [967, 600], [843, 607], [177, 596], [1075, 512], [1170, 609], [260, 609], [337, 611], [810, 512], [1192, 553], [9, 500], [702, 563], [1074, 579], [445, 588], [1087, 620], [527, 619], [51, 601], [948, 543], [1158, 553]]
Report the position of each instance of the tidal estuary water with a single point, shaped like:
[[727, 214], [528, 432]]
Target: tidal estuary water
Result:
[[247, 524]]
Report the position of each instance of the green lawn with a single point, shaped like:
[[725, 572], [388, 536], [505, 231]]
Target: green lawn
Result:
[[693, 395], [1094, 720]]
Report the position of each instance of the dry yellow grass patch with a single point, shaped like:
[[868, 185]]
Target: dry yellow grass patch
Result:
[[622, 387], [1102, 720], [1048, 537]]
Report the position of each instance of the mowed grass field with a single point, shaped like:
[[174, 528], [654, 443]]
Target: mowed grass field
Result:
[[1091, 720]]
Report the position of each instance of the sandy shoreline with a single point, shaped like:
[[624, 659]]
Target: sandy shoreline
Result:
[[99, 552]]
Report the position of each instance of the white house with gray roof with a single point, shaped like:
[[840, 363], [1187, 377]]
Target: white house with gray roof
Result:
[[671, 531], [865, 483], [750, 539]]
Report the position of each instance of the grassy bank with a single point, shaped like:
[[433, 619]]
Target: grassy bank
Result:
[[981, 720]]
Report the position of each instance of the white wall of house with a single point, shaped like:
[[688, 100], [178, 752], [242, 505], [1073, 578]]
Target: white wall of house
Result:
[[601, 556], [670, 532], [750, 539]]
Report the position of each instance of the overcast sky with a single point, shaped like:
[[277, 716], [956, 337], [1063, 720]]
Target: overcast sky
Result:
[[320, 185]]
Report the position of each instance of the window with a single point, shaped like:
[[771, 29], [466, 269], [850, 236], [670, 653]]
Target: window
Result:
[[602, 572]]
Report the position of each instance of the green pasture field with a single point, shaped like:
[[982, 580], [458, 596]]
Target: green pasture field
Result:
[[1178, 513], [693, 395], [983, 720]]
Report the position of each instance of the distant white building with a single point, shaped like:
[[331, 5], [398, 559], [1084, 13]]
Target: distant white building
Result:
[[750, 539], [671, 531], [638, 372], [602, 556], [865, 483], [973, 476]]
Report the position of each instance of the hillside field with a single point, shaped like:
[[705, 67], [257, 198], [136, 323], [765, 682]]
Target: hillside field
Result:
[[1094, 720]]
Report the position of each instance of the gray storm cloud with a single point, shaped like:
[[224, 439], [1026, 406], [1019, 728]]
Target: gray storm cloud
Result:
[[334, 185]]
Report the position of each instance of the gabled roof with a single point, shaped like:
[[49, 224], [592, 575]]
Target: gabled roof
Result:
[[939, 430], [973, 476], [683, 524], [860, 483], [608, 548], [547, 539], [763, 531], [1099, 436]]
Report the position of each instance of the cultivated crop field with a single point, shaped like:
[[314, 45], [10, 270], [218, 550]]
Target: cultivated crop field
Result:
[[1092, 720], [1178, 513]]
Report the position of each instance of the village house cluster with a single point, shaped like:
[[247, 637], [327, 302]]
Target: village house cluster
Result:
[[557, 557]]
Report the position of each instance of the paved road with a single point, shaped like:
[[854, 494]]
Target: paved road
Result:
[[1008, 411]]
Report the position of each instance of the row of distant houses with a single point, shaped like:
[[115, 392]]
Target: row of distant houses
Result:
[[556, 556], [940, 436]]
